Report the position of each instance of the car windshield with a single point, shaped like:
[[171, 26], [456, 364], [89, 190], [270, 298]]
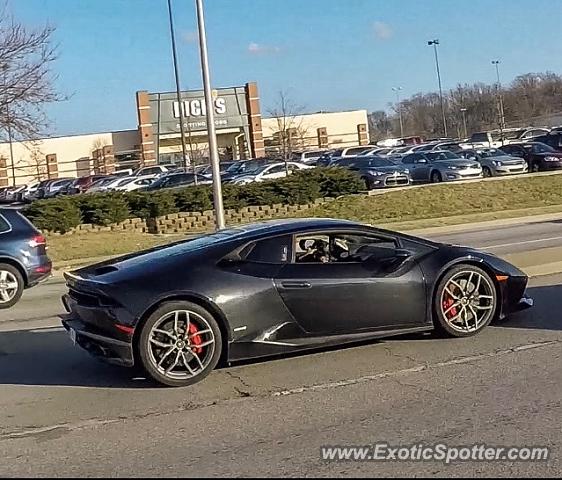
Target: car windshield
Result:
[[542, 148], [376, 162], [438, 156], [492, 152], [234, 168], [125, 181]]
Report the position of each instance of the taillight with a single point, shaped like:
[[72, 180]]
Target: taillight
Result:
[[37, 241]]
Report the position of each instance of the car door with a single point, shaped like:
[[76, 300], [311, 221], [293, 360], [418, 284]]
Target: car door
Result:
[[275, 171], [420, 168], [354, 296]]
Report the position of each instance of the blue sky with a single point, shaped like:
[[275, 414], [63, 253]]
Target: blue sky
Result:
[[328, 54]]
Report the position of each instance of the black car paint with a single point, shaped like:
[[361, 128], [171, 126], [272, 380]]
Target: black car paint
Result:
[[535, 161], [268, 309], [15, 249]]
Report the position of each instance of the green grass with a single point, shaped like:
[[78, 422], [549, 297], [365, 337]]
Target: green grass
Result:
[[64, 248], [446, 200]]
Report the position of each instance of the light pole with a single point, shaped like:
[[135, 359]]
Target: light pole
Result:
[[500, 99], [434, 43], [178, 90], [463, 110], [213, 148], [397, 90]]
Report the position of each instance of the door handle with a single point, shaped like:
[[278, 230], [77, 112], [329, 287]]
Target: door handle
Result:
[[295, 285]]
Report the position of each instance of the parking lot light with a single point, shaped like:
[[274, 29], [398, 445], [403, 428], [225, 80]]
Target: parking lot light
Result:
[[434, 43]]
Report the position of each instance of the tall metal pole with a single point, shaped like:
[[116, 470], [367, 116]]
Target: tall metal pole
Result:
[[435, 43], [178, 90], [463, 110], [397, 90], [213, 147], [500, 98]]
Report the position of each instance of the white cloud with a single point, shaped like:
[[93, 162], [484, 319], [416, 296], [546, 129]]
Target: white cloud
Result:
[[382, 30], [259, 49]]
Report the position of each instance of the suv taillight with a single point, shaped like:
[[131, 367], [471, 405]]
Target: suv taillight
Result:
[[37, 241]]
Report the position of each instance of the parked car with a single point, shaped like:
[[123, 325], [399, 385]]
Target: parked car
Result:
[[299, 279], [125, 172], [270, 171], [310, 157], [129, 184], [176, 180], [325, 159], [242, 167], [496, 162], [440, 166], [12, 194], [155, 170], [553, 139], [55, 187], [23, 257], [516, 135], [102, 184], [376, 172], [352, 151], [30, 192], [82, 184], [539, 156]]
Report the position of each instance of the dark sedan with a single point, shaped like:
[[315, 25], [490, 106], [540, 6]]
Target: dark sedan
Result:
[[176, 180], [23, 257], [539, 156], [279, 287], [376, 172]]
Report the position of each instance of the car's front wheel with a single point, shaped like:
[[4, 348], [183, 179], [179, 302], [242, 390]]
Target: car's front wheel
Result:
[[179, 344], [11, 285], [436, 177], [487, 172], [465, 301]]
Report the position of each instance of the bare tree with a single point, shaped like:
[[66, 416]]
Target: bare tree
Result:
[[291, 129], [26, 78], [35, 164]]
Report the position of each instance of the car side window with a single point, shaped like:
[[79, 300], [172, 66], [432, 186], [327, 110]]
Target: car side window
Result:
[[4, 225], [341, 247], [271, 250]]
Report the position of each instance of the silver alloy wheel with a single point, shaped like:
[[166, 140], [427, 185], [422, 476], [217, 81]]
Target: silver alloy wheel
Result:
[[8, 286], [181, 344], [468, 301]]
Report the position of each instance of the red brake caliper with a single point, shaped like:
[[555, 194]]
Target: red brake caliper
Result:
[[447, 302], [195, 339]]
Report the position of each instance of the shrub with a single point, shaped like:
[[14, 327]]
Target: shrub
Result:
[[103, 209], [57, 214], [63, 213]]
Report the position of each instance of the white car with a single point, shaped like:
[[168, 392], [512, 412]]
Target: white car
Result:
[[129, 184], [155, 171], [270, 171]]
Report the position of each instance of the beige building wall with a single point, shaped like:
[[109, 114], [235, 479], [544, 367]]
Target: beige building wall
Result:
[[341, 127], [73, 155]]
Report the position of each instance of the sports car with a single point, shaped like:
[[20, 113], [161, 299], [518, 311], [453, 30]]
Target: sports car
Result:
[[277, 287]]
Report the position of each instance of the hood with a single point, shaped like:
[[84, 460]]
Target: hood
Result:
[[389, 169], [506, 160], [461, 162]]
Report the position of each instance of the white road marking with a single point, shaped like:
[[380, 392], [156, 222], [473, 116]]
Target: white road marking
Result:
[[524, 242]]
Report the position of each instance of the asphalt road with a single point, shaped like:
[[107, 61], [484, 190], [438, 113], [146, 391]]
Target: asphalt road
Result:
[[65, 414]]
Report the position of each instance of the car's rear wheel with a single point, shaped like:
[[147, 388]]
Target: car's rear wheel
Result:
[[436, 177], [535, 168], [465, 301], [11, 285], [179, 344]]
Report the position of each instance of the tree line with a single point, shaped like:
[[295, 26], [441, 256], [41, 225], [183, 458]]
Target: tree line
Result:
[[525, 100]]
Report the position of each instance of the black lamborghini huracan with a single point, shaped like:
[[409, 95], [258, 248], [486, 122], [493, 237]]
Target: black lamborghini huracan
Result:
[[280, 286]]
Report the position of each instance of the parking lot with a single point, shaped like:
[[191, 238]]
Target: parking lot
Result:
[[500, 387]]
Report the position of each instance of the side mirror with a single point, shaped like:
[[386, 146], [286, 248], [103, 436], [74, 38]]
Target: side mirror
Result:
[[422, 160]]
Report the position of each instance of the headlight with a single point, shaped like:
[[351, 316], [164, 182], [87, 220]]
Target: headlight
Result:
[[497, 163], [375, 173], [551, 159], [406, 171], [453, 167]]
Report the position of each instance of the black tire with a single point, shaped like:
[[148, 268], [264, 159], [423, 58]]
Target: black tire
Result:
[[435, 177], [535, 168], [442, 325], [367, 183], [144, 354], [487, 172], [15, 273]]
